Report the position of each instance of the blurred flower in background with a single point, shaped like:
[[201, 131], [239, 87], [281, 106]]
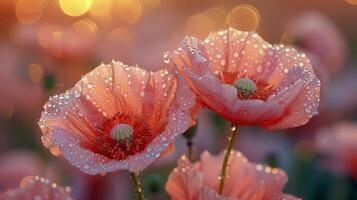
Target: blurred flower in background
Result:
[[340, 99], [319, 36], [337, 143], [19, 77], [18, 164], [35, 187]]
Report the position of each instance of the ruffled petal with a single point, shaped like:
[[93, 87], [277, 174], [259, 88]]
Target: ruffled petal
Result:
[[70, 110], [246, 52], [299, 106], [184, 182], [255, 181], [222, 98], [210, 194], [244, 180], [115, 87]]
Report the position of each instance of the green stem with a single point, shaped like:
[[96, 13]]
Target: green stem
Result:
[[227, 154], [137, 185]]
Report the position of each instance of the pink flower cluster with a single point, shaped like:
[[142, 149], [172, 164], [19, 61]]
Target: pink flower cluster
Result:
[[121, 117]]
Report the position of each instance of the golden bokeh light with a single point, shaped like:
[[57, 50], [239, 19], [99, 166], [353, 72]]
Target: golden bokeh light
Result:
[[35, 72], [57, 36], [352, 2], [244, 17], [199, 25], [85, 27], [44, 36], [29, 12], [75, 7], [129, 10]]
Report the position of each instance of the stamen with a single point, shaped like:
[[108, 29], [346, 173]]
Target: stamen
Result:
[[122, 132], [245, 87]]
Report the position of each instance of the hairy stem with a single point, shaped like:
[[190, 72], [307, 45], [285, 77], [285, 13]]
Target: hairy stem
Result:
[[137, 185], [231, 141]]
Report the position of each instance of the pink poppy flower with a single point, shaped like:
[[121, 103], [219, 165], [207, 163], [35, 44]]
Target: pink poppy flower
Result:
[[37, 188], [318, 35], [248, 81], [245, 180], [117, 117], [339, 144]]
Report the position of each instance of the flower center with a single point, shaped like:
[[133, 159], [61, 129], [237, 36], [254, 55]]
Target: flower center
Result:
[[122, 132], [120, 136], [245, 87]]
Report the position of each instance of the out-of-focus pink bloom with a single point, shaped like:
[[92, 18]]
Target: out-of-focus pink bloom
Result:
[[339, 144], [340, 97], [245, 180], [248, 81], [117, 117], [36, 188], [14, 84], [318, 35], [16, 165]]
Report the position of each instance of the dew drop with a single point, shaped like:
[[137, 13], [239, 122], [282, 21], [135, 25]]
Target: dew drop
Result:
[[166, 58], [142, 93], [307, 110], [259, 69], [77, 94], [223, 62], [85, 166]]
